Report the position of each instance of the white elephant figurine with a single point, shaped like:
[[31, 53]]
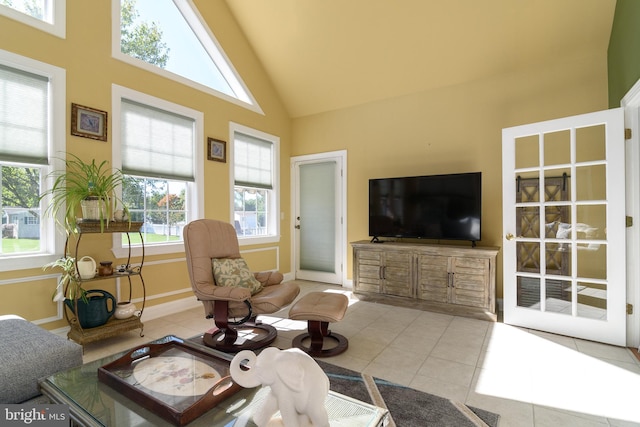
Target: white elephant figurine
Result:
[[299, 387]]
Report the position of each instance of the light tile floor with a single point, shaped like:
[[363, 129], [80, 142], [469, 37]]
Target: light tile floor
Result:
[[530, 378]]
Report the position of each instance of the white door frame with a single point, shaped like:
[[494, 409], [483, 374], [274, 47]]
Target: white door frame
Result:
[[612, 329], [631, 104], [342, 244]]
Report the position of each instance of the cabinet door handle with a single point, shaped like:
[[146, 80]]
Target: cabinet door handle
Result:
[[450, 281], [453, 282]]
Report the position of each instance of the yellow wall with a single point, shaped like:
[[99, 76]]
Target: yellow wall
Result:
[[450, 130], [85, 54]]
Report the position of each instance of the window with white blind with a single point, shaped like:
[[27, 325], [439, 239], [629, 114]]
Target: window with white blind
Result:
[[32, 99], [255, 196], [156, 151]]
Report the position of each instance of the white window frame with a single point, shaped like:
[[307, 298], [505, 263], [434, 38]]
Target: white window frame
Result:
[[56, 22], [52, 238], [274, 200], [209, 42], [195, 190]]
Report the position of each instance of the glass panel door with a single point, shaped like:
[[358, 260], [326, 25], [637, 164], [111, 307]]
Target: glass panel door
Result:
[[564, 250], [317, 219]]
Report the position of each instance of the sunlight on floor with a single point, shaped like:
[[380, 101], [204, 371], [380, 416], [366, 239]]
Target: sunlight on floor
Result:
[[349, 294], [523, 366], [284, 324], [530, 378]]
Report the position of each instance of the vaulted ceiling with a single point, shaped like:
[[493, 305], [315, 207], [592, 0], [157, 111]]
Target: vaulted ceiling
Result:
[[324, 55]]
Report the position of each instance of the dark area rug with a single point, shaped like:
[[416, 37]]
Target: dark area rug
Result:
[[408, 407]]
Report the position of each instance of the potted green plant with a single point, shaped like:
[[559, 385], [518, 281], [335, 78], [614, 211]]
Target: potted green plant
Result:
[[90, 307], [89, 186]]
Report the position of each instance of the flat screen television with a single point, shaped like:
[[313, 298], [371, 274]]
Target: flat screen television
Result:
[[446, 207]]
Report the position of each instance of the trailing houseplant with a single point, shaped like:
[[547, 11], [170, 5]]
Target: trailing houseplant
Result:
[[90, 307], [82, 183], [69, 280]]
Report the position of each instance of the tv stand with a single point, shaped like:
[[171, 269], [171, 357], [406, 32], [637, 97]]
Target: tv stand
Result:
[[454, 280]]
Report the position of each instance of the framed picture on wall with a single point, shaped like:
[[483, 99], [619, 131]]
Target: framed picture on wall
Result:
[[88, 122], [216, 150]]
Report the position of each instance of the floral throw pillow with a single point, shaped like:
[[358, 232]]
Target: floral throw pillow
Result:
[[234, 273]]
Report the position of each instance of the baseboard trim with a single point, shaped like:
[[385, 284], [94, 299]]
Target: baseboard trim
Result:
[[171, 307], [288, 277], [165, 309], [154, 312]]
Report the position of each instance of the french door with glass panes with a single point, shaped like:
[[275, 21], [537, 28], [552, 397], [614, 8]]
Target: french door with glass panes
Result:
[[564, 226]]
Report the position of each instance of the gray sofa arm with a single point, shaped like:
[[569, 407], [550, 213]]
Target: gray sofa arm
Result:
[[30, 353]]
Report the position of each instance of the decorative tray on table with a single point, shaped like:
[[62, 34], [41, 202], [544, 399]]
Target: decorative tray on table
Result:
[[174, 380]]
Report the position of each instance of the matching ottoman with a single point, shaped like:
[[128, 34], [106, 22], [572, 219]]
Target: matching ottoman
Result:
[[319, 309]]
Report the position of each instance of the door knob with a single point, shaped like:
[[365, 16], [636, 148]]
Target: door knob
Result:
[[510, 236]]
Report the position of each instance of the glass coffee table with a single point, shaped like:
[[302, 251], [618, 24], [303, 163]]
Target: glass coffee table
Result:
[[93, 403]]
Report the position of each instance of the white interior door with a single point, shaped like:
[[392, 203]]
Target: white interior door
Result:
[[564, 226], [318, 189]]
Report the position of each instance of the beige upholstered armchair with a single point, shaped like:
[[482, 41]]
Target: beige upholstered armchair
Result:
[[213, 244]]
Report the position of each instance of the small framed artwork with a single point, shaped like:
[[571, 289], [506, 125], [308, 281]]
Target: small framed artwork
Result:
[[216, 150], [88, 122]]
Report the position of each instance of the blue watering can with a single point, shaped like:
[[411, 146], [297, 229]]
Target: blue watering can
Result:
[[95, 311]]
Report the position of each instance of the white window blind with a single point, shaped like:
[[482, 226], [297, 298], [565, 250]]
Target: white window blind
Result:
[[253, 161], [156, 143], [24, 117]]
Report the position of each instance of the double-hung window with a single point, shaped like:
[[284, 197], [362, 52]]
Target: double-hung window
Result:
[[31, 133], [255, 192], [158, 147]]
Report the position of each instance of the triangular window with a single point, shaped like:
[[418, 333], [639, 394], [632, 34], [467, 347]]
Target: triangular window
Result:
[[38, 9], [45, 15], [170, 37]]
